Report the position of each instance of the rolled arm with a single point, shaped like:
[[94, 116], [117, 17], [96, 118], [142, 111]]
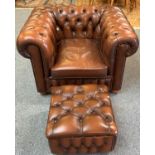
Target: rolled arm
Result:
[[39, 30], [118, 41], [37, 42]]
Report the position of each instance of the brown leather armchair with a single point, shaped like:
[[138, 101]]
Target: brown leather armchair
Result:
[[76, 45]]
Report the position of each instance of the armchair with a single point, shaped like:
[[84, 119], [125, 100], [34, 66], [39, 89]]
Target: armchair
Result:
[[77, 45]]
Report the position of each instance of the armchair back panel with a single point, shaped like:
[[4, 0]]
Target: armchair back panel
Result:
[[78, 22]]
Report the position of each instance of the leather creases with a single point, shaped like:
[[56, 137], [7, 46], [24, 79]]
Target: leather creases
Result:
[[81, 111], [50, 26]]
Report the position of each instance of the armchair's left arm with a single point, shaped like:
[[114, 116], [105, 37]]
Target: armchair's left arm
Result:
[[36, 41], [118, 41]]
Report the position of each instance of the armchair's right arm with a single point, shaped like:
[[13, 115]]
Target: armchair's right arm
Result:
[[36, 41], [118, 41]]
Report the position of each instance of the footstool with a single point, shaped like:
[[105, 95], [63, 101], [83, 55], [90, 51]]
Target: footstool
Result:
[[81, 120]]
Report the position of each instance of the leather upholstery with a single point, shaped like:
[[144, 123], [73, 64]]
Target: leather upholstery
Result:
[[78, 21], [79, 58], [37, 42], [48, 26], [116, 33], [39, 30], [79, 81], [81, 119], [78, 55]]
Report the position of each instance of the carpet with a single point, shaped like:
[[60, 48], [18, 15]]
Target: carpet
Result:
[[32, 108], [34, 3]]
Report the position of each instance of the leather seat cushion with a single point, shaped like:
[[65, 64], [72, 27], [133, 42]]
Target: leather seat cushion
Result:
[[79, 58]]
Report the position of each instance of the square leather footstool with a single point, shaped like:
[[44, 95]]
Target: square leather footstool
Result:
[[81, 120]]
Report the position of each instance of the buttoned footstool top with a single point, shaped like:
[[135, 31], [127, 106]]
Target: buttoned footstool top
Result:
[[81, 120]]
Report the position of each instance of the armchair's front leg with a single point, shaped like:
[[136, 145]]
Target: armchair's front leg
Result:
[[36, 41], [118, 41]]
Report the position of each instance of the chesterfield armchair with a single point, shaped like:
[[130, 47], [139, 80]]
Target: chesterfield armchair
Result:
[[77, 45], [78, 55]]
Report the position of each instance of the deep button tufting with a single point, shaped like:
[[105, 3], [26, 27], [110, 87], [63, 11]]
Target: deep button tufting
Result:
[[115, 33], [76, 142], [112, 23], [60, 10], [106, 102], [42, 34], [67, 110], [78, 20], [84, 10], [55, 112], [101, 103], [88, 141], [55, 99], [39, 36], [58, 92], [57, 103], [67, 96], [54, 119], [66, 20], [79, 89], [79, 102], [90, 95], [55, 23], [90, 19], [98, 141], [65, 142], [95, 10], [81, 108], [108, 118], [72, 10], [79, 119], [91, 111], [101, 90]]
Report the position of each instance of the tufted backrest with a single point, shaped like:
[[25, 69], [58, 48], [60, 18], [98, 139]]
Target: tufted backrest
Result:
[[77, 21]]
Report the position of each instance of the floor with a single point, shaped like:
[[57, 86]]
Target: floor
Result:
[[32, 108], [133, 15]]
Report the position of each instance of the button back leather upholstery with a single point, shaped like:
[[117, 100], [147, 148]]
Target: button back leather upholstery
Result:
[[48, 27], [81, 119], [78, 22]]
